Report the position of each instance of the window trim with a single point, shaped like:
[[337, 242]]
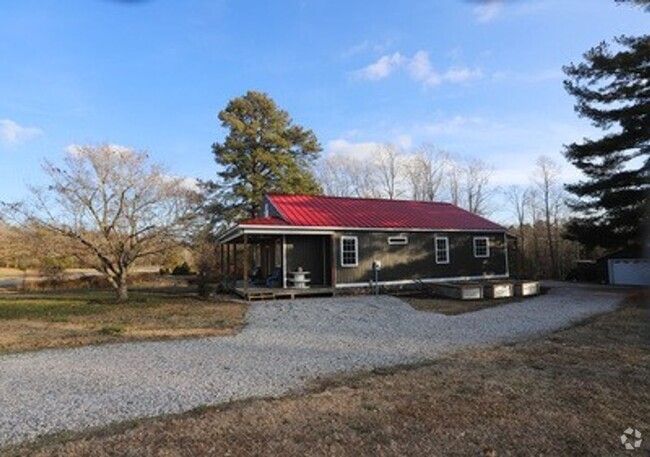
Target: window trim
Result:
[[398, 240], [435, 245], [356, 251], [487, 247]]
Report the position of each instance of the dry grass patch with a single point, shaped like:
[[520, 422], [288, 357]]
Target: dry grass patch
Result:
[[572, 393], [76, 318]]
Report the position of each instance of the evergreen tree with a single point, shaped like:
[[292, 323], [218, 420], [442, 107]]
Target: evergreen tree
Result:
[[612, 88], [263, 152], [642, 3]]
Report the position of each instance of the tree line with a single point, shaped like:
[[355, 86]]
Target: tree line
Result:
[[425, 174], [538, 209]]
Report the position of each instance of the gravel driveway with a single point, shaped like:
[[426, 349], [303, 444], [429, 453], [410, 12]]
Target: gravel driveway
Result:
[[285, 344]]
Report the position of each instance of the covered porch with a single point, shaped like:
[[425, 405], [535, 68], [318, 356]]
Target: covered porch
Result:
[[266, 264]]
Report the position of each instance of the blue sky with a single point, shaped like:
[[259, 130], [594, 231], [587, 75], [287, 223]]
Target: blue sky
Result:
[[477, 79]]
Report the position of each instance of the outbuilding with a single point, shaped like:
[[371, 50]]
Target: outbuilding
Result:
[[626, 267]]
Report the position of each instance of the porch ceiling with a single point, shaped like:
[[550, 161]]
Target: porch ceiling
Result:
[[234, 234], [253, 238]]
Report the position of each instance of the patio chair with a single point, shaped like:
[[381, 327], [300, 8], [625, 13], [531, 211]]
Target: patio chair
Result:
[[275, 279]]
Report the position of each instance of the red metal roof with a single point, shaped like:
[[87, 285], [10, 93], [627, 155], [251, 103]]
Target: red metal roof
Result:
[[320, 211]]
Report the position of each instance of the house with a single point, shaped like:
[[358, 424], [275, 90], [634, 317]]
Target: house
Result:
[[332, 242]]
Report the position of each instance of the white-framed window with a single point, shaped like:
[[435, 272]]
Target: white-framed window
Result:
[[481, 246], [442, 249], [349, 251], [398, 240]]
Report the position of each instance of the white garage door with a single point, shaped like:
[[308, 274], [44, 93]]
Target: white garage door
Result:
[[631, 272]]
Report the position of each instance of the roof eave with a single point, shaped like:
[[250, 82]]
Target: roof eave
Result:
[[239, 230]]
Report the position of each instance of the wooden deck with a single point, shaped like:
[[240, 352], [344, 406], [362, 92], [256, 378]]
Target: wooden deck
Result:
[[276, 293]]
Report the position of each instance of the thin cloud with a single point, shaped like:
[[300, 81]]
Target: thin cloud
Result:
[[421, 69], [356, 49], [183, 182], [13, 133], [364, 150], [382, 68], [76, 149], [451, 126], [346, 148], [405, 141], [367, 46], [488, 10], [462, 74], [418, 67]]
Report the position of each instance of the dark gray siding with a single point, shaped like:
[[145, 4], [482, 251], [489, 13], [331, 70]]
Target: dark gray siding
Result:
[[417, 258], [312, 253]]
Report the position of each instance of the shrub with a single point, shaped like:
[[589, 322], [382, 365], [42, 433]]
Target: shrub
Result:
[[53, 270], [182, 270], [112, 330]]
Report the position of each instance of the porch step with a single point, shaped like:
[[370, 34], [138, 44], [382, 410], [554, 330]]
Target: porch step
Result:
[[260, 296], [278, 293]]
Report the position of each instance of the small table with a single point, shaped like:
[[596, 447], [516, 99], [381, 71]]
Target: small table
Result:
[[299, 279]]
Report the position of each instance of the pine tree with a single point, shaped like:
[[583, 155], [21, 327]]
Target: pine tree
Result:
[[263, 152], [612, 88]]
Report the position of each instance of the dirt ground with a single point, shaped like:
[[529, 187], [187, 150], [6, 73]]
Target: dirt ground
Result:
[[452, 307], [573, 392]]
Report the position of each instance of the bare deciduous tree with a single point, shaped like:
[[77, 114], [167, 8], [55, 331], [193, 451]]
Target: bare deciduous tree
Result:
[[334, 177], [546, 179], [344, 176], [389, 170], [454, 173], [468, 184], [519, 198], [477, 176], [425, 172], [364, 179], [114, 205]]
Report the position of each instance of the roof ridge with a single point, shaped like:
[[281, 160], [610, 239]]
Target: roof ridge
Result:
[[280, 194]]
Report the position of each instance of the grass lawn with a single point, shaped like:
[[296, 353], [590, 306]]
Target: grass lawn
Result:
[[573, 392], [74, 318]]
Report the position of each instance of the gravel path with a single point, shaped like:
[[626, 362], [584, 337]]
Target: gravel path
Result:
[[285, 344]]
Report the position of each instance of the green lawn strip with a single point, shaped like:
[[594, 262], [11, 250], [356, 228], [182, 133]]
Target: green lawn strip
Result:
[[60, 306]]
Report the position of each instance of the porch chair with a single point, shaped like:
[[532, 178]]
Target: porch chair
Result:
[[275, 280]]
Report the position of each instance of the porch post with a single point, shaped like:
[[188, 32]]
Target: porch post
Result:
[[323, 251], [234, 263], [245, 263], [284, 262], [221, 265], [227, 262], [505, 247], [333, 263]]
